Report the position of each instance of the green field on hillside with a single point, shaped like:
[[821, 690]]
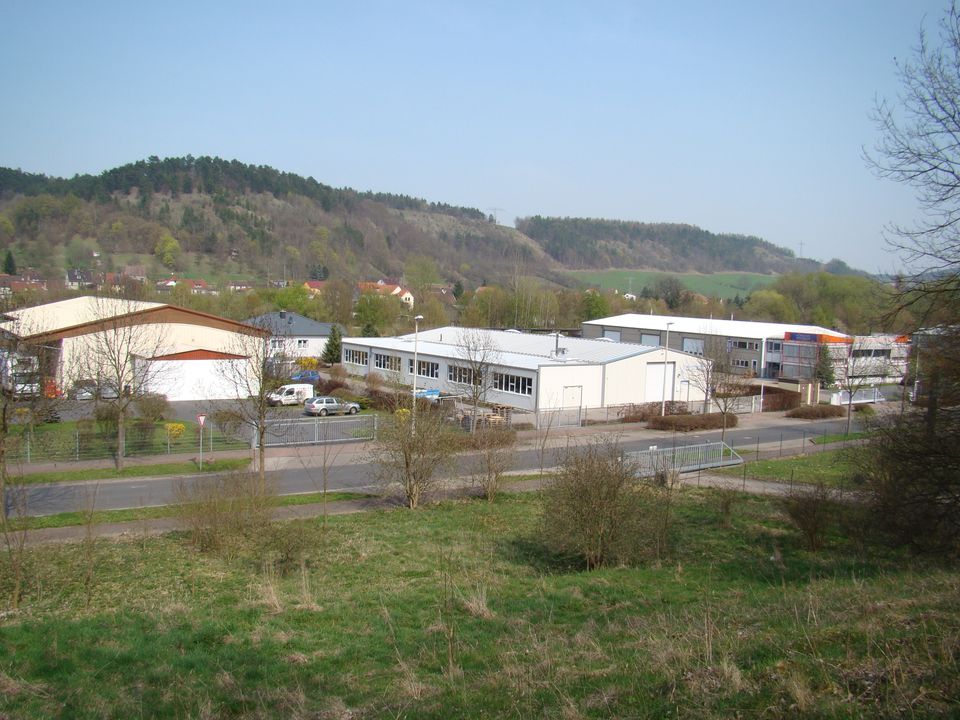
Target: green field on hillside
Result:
[[458, 610], [723, 285]]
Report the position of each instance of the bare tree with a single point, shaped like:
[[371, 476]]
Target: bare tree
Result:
[[477, 354], [865, 365], [116, 357], [410, 457], [495, 450], [918, 147], [720, 380], [253, 374]]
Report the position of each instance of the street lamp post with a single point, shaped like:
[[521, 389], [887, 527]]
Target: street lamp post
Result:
[[416, 344], [663, 400]]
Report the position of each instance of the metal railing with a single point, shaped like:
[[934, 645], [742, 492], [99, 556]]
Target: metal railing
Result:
[[684, 458], [319, 431]]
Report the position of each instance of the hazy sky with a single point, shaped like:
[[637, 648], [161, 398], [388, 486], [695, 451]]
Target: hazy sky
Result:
[[746, 117]]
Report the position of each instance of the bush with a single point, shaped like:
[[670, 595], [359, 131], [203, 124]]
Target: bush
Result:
[[817, 412], [108, 419], [811, 509], [647, 411], [230, 423], [599, 509], [153, 407], [686, 423], [142, 432], [328, 387], [345, 394], [224, 513]]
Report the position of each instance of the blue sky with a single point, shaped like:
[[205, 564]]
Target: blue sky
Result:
[[746, 117]]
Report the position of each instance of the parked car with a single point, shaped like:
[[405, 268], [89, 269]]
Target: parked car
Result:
[[91, 390], [326, 405], [306, 376]]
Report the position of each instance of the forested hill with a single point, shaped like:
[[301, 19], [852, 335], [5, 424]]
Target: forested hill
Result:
[[590, 243], [230, 218], [224, 217]]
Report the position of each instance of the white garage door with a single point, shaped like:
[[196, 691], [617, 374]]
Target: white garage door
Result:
[[654, 391], [198, 379]]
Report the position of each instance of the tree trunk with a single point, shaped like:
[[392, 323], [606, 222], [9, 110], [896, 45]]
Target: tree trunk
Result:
[[121, 435]]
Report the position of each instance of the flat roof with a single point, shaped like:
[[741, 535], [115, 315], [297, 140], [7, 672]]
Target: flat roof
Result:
[[513, 349], [712, 326]]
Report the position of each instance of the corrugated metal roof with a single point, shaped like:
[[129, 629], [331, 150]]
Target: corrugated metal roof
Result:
[[63, 314], [711, 326], [514, 349]]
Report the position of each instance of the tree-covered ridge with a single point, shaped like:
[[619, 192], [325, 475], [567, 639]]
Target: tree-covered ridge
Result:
[[212, 176], [586, 242]]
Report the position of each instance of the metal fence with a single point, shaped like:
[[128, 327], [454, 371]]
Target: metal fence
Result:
[[684, 458], [319, 431], [63, 443]]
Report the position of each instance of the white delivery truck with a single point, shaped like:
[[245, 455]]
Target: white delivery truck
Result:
[[295, 394]]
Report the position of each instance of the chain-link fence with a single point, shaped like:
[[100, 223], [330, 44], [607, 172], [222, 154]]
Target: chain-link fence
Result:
[[64, 442], [320, 431]]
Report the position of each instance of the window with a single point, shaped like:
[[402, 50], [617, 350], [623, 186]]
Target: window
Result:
[[868, 352], [426, 368], [276, 344], [460, 375], [386, 362], [742, 345], [773, 346], [513, 384], [355, 357], [652, 340], [694, 346], [301, 344], [741, 363]]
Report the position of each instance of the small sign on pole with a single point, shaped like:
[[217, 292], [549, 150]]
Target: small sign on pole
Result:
[[201, 418]]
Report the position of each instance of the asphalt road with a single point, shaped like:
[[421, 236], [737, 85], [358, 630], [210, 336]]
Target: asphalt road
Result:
[[298, 471]]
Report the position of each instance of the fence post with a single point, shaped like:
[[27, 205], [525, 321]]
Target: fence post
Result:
[[29, 435], [780, 454], [803, 446], [78, 444], [376, 417]]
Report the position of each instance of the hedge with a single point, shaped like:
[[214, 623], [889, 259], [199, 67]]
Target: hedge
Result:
[[817, 412], [686, 423]]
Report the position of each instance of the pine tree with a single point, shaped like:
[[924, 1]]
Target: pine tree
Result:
[[9, 264], [332, 350]]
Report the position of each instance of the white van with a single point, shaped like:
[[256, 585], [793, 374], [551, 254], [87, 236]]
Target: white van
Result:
[[294, 394]]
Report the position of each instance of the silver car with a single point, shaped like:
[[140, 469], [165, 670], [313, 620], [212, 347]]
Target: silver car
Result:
[[326, 405]]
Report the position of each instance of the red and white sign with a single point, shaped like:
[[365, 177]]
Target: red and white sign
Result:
[[201, 418]]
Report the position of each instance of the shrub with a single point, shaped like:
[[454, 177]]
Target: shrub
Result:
[[811, 509], [108, 418], [174, 430], [224, 513], [328, 387], [347, 395], [229, 422], [153, 407], [817, 412], [647, 411], [142, 432], [599, 509], [373, 382], [686, 423], [494, 456]]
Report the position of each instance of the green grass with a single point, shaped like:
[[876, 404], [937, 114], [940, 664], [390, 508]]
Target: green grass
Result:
[[458, 611], [833, 468], [723, 285], [158, 469], [101, 517], [841, 437]]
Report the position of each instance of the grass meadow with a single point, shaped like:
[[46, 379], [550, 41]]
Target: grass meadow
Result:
[[458, 611], [722, 285]]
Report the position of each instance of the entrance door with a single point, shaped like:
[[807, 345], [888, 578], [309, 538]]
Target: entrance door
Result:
[[654, 391]]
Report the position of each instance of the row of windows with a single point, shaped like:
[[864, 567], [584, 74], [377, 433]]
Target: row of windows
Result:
[[742, 345], [279, 343], [503, 382], [355, 357], [391, 363], [516, 384], [871, 352], [461, 375]]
